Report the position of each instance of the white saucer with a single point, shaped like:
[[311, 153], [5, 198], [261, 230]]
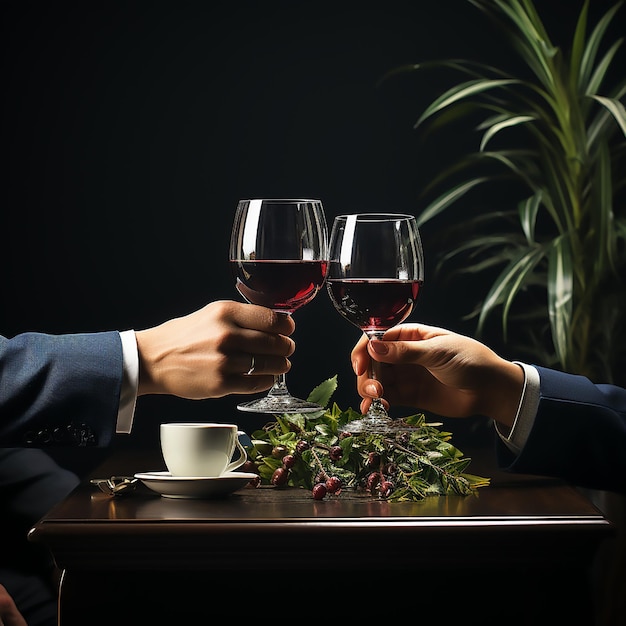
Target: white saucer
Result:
[[194, 486]]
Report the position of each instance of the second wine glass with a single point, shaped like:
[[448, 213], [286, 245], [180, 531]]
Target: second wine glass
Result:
[[376, 269], [279, 258]]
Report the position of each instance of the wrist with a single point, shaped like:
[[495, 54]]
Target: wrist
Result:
[[506, 395], [146, 383]]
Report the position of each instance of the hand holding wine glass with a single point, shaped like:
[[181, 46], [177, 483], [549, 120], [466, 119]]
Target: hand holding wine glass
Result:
[[279, 258], [376, 269]]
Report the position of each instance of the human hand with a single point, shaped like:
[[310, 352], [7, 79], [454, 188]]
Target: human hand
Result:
[[439, 371], [9, 613], [208, 353]]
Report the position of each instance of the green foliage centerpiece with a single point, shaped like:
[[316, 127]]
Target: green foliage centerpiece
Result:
[[316, 451]]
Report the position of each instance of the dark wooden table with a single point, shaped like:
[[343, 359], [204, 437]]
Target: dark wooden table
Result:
[[522, 537]]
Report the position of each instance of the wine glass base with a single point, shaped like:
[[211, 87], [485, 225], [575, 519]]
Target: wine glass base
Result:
[[373, 425], [280, 405]]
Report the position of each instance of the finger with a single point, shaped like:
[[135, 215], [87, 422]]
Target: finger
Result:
[[402, 352], [359, 357], [260, 343], [414, 332], [365, 405], [261, 318], [367, 402], [370, 388]]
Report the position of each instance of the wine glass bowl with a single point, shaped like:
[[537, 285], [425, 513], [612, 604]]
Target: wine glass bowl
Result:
[[279, 259], [376, 304], [281, 285], [376, 269]]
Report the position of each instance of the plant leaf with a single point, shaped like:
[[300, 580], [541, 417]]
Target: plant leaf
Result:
[[602, 216], [507, 284], [506, 123], [322, 393], [615, 108], [446, 199], [578, 47], [593, 44], [560, 295], [598, 75], [528, 210], [461, 92]]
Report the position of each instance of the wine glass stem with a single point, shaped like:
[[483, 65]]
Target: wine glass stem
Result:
[[279, 388], [377, 408]]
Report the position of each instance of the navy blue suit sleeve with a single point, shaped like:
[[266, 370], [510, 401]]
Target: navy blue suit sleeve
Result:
[[59, 390], [579, 433]]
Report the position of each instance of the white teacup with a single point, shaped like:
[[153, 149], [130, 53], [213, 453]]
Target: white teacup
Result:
[[201, 449]]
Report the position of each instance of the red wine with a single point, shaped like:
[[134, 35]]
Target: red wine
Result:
[[279, 285], [373, 304]]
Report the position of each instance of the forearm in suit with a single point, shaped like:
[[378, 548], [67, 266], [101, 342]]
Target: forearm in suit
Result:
[[59, 390], [579, 433]]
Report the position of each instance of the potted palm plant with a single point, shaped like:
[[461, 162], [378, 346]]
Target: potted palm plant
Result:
[[554, 247]]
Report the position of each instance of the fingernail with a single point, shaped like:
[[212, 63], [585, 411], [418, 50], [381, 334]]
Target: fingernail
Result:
[[371, 390], [380, 347]]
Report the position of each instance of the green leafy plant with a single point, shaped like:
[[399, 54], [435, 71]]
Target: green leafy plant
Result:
[[316, 451], [553, 134]]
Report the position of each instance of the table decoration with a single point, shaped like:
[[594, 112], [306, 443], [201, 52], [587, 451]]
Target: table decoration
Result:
[[115, 485], [316, 451]]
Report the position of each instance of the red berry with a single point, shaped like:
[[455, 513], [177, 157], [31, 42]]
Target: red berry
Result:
[[250, 467], [372, 481], [319, 491], [333, 484], [278, 452], [280, 477], [289, 460], [335, 453], [254, 482], [373, 460], [302, 445]]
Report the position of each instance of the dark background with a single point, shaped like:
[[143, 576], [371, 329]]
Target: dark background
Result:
[[130, 130]]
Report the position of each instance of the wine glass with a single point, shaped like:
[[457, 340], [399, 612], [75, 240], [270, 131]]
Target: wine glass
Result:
[[376, 269], [279, 258]]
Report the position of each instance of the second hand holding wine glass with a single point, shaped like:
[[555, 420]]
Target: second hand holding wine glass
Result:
[[279, 257], [376, 268]]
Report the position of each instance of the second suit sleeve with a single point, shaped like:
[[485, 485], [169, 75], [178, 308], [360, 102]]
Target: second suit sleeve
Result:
[[579, 433]]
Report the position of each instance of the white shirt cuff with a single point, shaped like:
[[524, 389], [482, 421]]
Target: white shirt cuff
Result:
[[130, 379], [526, 411]]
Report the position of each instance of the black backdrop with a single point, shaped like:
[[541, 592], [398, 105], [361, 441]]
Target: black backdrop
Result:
[[129, 131]]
